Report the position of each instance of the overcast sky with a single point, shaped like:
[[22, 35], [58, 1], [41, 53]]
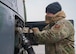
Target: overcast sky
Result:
[[35, 9]]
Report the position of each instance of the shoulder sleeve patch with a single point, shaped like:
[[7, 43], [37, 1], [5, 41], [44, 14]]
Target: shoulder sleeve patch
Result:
[[57, 26]]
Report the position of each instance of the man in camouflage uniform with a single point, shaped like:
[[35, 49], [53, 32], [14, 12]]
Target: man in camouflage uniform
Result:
[[58, 35]]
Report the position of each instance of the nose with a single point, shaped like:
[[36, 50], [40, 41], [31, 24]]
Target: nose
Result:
[[49, 14]]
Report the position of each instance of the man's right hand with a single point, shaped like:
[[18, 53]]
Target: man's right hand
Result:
[[19, 29]]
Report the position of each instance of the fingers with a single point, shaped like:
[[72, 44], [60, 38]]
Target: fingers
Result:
[[35, 29], [19, 29]]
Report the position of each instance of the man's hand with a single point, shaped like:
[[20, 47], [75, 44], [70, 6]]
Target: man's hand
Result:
[[19, 29], [35, 29]]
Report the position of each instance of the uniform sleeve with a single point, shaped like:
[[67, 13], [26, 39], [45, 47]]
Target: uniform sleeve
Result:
[[57, 33]]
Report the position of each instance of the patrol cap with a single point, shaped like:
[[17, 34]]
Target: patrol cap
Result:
[[53, 8]]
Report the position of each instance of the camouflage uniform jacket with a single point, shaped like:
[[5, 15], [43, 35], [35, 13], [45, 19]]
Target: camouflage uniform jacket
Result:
[[58, 39]]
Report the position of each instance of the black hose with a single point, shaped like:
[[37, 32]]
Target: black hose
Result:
[[27, 45]]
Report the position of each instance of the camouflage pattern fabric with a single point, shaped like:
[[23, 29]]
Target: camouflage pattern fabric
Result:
[[58, 39]]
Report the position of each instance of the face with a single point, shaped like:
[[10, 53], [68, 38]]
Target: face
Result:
[[49, 14], [48, 17]]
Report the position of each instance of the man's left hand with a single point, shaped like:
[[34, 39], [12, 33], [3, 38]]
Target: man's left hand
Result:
[[35, 29]]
